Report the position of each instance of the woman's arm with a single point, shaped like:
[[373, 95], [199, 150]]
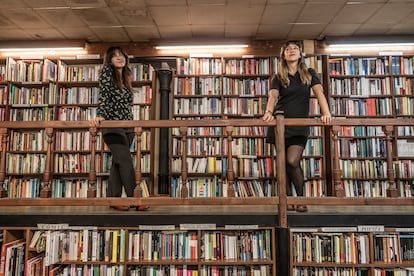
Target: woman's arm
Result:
[[326, 114], [271, 103]]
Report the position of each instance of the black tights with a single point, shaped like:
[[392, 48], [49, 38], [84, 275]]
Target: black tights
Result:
[[294, 172]]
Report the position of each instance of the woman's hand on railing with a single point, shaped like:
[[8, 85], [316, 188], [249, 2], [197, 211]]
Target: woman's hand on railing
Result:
[[326, 119], [94, 122], [268, 116]]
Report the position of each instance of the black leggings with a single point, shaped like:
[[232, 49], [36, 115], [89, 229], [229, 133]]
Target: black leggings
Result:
[[122, 172]]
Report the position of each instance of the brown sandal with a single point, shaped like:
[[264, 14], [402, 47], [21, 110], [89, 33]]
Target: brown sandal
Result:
[[142, 207], [291, 207], [301, 208]]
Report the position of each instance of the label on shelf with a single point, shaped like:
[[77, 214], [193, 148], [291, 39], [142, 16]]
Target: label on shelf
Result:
[[56, 226], [304, 230], [338, 229], [404, 229], [242, 227], [370, 228], [156, 227], [198, 226]]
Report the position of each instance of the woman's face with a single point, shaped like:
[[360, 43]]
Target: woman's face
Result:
[[292, 52], [118, 60]]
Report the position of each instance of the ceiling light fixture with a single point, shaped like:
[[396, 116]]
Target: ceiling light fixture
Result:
[[38, 48], [352, 45], [202, 49]]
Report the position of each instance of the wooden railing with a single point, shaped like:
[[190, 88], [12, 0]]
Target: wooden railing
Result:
[[282, 200]]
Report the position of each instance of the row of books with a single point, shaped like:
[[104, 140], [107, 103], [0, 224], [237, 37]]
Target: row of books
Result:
[[244, 106], [199, 187], [368, 169], [331, 271], [362, 107], [33, 114], [247, 66], [393, 248], [198, 86], [351, 66], [238, 245], [31, 95], [403, 86], [197, 106], [360, 87], [162, 245], [27, 141], [246, 87], [365, 188], [404, 106], [352, 131], [199, 66], [48, 95], [404, 168], [362, 147], [83, 245], [32, 71], [346, 248], [30, 163]]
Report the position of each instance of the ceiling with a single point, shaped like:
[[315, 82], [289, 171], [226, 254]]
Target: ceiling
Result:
[[99, 21]]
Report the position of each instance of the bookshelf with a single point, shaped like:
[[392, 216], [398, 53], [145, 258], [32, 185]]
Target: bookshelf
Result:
[[226, 88], [65, 89], [200, 249], [359, 250], [222, 88], [372, 87]]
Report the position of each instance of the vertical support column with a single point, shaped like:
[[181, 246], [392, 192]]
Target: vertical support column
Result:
[[92, 172], [282, 232], [4, 136], [281, 168], [184, 169], [339, 188], [230, 172], [138, 172], [392, 190], [45, 191], [164, 77]]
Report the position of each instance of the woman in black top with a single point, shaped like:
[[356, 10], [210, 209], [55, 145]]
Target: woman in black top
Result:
[[115, 103], [290, 92]]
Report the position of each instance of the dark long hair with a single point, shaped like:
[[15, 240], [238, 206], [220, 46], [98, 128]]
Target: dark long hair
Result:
[[283, 69], [126, 77]]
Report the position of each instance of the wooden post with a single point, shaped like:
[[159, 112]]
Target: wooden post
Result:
[[45, 191], [338, 185], [91, 193], [138, 172], [4, 137], [392, 190], [184, 169], [230, 172], [281, 168]]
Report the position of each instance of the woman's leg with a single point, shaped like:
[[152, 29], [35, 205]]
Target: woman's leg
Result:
[[122, 170], [294, 169]]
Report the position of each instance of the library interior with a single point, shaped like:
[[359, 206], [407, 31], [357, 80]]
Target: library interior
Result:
[[211, 194]]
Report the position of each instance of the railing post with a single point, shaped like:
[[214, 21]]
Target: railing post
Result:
[[338, 185], [184, 169], [91, 193], [392, 190], [45, 192], [230, 172], [4, 136], [281, 168], [138, 173]]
